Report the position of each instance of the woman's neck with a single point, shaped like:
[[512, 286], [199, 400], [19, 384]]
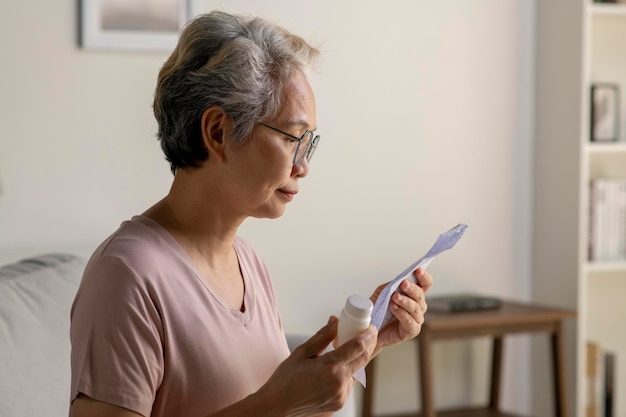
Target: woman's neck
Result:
[[196, 220]]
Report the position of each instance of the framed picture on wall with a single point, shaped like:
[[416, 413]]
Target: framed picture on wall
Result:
[[140, 25], [605, 114]]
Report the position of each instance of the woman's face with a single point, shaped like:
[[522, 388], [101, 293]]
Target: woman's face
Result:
[[263, 176]]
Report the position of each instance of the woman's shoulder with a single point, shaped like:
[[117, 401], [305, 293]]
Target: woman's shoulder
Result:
[[244, 247], [241, 243], [136, 244], [249, 256]]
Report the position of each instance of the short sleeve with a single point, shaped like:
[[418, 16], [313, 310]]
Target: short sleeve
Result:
[[116, 335]]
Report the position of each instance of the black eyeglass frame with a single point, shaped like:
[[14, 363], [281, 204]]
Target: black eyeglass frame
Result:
[[308, 151]]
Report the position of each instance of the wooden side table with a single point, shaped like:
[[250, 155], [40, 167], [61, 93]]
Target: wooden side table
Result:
[[511, 317]]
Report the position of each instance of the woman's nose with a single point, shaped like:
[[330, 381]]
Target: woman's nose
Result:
[[301, 169]]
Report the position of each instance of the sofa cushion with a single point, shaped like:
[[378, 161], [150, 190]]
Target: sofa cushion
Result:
[[36, 295]]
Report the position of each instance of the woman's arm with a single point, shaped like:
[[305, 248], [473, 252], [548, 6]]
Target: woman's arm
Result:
[[85, 406], [307, 383]]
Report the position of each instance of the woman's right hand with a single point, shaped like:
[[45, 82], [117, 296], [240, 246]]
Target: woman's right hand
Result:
[[310, 382]]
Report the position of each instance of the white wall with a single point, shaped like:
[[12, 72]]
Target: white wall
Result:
[[424, 108]]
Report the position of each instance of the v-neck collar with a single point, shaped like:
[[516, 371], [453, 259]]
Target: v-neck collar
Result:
[[242, 317]]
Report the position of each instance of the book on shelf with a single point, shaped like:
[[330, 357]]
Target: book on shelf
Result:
[[607, 219], [601, 381]]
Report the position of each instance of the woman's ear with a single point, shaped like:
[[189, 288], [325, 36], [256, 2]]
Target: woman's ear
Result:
[[215, 125]]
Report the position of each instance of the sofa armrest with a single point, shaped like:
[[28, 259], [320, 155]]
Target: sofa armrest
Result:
[[36, 295]]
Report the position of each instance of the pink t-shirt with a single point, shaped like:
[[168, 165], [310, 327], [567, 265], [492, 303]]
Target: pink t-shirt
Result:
[[149, 334]]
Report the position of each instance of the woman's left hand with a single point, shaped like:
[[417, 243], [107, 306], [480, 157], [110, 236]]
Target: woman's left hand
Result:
[[408, 308]]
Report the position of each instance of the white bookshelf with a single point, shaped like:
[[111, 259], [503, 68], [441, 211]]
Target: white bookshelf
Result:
[[606, 9], [596, 148], [578, 43], [600, 267]]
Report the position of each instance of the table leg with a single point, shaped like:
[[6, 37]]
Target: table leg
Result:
[[368, 395], [426, 373], [558, 367], [496, 373]]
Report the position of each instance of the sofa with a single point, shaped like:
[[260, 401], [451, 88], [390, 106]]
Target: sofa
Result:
[[36, 294]]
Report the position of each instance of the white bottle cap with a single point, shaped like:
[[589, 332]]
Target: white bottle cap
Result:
[[359, 307]]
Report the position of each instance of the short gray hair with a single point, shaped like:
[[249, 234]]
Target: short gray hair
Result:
[[239, 64]]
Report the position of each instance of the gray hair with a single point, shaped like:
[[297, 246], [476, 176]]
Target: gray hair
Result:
[[239, 64]]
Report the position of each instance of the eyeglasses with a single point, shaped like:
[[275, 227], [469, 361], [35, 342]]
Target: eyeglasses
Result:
[[307, 143]]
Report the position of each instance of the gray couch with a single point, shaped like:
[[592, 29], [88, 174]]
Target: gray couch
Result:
[[35, 299]]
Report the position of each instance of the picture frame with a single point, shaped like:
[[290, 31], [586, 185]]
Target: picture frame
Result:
[[137, 25], [605, 112]]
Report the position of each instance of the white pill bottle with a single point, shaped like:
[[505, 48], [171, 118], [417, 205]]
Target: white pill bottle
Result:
[[354, 318]]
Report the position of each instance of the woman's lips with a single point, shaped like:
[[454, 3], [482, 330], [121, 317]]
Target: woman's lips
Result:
[[288, 194]]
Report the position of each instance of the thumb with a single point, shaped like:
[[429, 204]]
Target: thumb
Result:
[[316, 345]]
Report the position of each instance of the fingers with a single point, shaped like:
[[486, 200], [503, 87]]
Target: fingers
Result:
[[409, 308], [310, 382], [356, 352], [411, 298], [319, 341], [423, 278]]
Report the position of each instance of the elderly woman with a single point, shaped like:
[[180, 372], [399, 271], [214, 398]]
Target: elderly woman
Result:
[[176, 314]]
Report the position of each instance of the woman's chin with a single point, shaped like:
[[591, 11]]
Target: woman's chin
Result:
[[270, 213]]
